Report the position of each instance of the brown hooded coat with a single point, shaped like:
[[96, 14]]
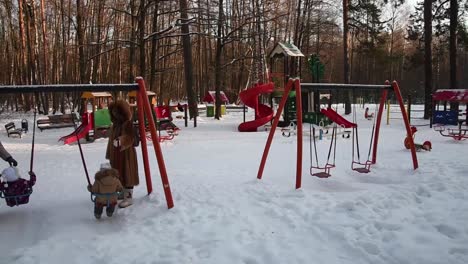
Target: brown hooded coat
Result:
[[106, 181], [124, 157]]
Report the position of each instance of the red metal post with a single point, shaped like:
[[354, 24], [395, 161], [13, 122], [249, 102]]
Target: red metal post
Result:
[[297, 85], [273, 128], [144, 147], [157, 146], [396, 89], [383, 97]]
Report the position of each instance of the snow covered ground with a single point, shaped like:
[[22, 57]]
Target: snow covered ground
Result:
[[223, 214]]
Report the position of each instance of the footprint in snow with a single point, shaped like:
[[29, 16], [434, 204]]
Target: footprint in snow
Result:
[[369, 248], [448, 231]]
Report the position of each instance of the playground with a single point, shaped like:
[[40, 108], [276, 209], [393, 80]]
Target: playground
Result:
[[223, 214]]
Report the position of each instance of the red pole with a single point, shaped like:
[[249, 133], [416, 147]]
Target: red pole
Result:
[[383, 97], [396, 89], [144, 147], [157, 146], [273, 128], [297, 85]]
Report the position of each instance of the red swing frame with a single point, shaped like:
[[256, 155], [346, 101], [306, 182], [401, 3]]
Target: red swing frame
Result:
[[143, 108], [295, 83]]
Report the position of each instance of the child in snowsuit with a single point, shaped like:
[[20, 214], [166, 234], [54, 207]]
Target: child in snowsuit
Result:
[[16, 187], [106, 187]]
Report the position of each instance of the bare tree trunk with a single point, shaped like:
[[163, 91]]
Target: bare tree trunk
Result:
[[154, 48], [188, 66], [141, 38], [97, 50], [219, 51], [453, 48], [80, 40], [346, 55], [44, 43], [23, 42], [427, 58], [131, 55]]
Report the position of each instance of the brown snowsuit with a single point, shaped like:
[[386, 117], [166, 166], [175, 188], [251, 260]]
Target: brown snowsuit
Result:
[[124, 157], [106, 181]]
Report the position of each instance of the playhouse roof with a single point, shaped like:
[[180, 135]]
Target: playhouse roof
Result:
[[210, 97], [286, 49], [88, 95], [460, 95], [148, 93]]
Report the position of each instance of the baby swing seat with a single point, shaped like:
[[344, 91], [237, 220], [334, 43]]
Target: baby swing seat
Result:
[[17, 192]]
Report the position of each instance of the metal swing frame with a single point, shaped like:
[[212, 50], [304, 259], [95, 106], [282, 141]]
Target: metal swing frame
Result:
[[295, 83], [144, 108], [17, 198]]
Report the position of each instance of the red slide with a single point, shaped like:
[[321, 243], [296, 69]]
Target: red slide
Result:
[[82, 131], [335, 117], [263, 113]]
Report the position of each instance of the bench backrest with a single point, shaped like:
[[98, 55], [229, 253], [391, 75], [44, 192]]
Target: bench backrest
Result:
[[56, 119], [9, 126]]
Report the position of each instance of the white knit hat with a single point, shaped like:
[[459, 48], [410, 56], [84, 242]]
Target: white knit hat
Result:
[[10, 174], [105, 165]]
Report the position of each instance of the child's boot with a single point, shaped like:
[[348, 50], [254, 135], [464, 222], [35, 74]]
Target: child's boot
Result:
[[97, 211], [128, 193], [110, 210]]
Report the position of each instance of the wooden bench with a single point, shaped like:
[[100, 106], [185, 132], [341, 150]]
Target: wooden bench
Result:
[[57, 121], [12, 130]]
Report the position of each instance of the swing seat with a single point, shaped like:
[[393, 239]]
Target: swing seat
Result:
[[16, 193], [321, 174], [324, 173], [363, 167], [106, 196], [362, 170]]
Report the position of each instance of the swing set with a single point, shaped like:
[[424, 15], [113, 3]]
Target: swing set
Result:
[[144, 108], [356, 165]]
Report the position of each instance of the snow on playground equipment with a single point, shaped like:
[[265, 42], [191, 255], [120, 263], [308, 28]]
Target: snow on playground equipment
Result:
[[164, 122], [93, 125], [144, 108], [56, 121], [95, 119], [295, 83], [18, 192], [263, 113], [210, 99], [441, 118]]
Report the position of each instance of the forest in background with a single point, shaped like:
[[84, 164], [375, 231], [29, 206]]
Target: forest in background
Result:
[[184, 48]]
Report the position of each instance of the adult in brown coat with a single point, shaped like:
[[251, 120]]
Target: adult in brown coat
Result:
[[120, 148], [105, 188]]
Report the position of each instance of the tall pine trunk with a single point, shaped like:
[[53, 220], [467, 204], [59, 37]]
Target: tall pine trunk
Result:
[[453, 48], [188, 66], [346, 55], [427, 58]]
